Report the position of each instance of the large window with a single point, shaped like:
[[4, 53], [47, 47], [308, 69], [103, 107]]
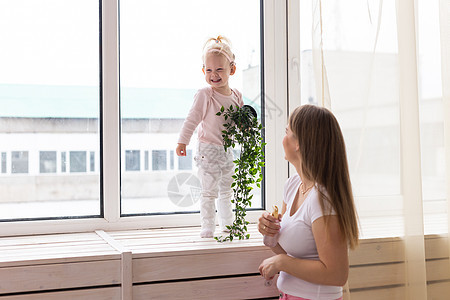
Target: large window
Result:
[[91, 108], [359, 83], [50, 104], [353, 51], [161, 45]]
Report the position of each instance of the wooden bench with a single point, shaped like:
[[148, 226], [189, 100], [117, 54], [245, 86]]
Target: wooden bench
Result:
[[178, 264]]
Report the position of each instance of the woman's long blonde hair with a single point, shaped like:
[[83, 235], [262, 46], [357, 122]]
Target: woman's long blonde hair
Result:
[[324, 160]]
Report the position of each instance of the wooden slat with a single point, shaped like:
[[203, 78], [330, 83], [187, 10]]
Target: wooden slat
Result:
[[155, 232], [183, 241], [149, 246], [438, 270], [184, 249], [51, 262], [395, 293], [59, 276], [436, 247], [46, 259], [252, 228], [54, 248], [378, 251], [154, 243], [251, 287], [376, 276], [126, 273], [52, 245], [149, 238], [202, 265], [111, 293], [48, 238], [438, 291], [187, 233]]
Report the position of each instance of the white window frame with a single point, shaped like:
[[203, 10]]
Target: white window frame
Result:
[[275, 82]]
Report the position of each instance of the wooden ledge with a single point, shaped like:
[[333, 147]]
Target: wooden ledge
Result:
[[136, 263]]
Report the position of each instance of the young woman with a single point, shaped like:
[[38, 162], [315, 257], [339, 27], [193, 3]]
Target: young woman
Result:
[[318, 219]]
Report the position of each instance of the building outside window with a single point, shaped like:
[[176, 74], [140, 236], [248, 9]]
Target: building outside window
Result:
[[153, 104], [4, 162], [172, 159], [19, 162], [159, 160], [47, 161], [132, 160], [146, 160], [92, 161], [50, 99], [77, 161], [63, 162]]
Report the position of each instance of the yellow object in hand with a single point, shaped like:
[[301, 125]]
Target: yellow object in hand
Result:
[[275, 212]]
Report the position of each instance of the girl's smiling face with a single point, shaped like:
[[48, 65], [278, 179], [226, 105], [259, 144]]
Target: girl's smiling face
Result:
[[217, 70]]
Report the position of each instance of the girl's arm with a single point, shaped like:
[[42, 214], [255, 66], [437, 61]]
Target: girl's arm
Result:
[[195, 116], [332, 266]]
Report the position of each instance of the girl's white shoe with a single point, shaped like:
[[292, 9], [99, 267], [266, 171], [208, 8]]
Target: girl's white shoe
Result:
[[206, 233]]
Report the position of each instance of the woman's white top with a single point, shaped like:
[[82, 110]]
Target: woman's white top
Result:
[[297, 239]]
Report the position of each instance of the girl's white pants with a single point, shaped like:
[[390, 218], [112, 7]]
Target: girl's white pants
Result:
[[215, 168]]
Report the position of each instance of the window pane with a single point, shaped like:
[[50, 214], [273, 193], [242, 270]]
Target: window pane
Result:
[[3, 162], [49, 99], [92, 161], [172, 159], [159, 160], [146, 161], [160, 73], [63, 162], [47, 161], [77, 161], [19, 162], [132, 160]]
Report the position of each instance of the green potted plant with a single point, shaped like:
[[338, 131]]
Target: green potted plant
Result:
[[243, 130]]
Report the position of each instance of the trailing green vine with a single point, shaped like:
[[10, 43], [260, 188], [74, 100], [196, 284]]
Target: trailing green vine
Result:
[[242, 129]]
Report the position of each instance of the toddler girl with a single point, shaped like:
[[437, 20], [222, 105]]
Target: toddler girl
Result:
[[215, 165]]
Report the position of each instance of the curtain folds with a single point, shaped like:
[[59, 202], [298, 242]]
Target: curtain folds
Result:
[[383, 68], [444, 24], [411, 179]]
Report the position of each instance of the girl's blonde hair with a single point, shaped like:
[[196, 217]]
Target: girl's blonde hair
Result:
[[219, 45], [324, 160]]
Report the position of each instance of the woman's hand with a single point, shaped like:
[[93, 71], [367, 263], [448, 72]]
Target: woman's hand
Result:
[[268, 224], [181, 149], [270, 267]]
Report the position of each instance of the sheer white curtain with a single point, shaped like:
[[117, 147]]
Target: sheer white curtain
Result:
[[383, 68]]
